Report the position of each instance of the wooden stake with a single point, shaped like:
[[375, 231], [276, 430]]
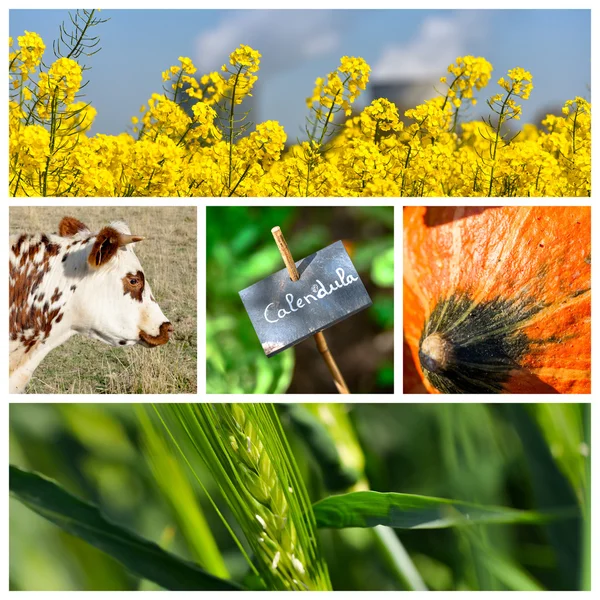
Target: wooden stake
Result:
[[284, 250]]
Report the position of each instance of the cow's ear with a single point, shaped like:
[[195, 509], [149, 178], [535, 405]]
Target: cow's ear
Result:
[[70, 226], [108, 241], [104, 248]]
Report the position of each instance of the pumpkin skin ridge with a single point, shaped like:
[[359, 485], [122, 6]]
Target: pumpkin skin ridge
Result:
[[547, 263], [575, 297]]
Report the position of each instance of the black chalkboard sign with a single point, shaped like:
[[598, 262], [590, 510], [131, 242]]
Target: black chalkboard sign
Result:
[[285, 312]]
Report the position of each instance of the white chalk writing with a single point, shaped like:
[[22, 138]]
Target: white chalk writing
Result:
[[319, 292]]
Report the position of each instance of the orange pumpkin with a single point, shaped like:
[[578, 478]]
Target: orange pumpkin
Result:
[[498, 299]]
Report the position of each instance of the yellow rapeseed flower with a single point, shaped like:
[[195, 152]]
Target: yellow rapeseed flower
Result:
[[187, 143]]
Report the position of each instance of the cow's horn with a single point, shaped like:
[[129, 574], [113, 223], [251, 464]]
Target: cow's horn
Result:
[[125, 239]]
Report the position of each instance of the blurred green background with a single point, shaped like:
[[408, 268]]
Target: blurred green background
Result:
[[240, 251], [532, 456]]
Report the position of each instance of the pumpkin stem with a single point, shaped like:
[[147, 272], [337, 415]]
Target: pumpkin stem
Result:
[[435, 353]]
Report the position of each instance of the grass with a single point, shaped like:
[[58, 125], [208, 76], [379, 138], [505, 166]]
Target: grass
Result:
[[168, 256]]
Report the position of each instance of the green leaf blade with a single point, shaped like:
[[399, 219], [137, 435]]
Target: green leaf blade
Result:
[[409, 511], [83, 520]]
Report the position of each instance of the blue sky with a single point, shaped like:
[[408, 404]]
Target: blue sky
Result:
[[299, 45]]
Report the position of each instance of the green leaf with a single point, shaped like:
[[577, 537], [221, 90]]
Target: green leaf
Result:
[[85, 521], [408, 511], [385, 374], [379, 214], [366, 251], [382, 271], [512, 575], [383, 310], [235, 362], [506, 573]]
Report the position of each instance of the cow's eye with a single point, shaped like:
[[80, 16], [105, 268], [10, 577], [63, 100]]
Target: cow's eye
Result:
[[133, 281]]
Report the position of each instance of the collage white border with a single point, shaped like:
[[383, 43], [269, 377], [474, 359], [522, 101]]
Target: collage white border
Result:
[[398, 396]]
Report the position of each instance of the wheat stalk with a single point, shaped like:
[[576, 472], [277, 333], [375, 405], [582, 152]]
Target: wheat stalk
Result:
[[246, 451], [275, 531]]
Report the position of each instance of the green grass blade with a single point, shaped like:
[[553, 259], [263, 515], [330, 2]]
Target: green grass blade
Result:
[[586, 575], [85, 521], [562, 426], [408, 511], [171, 479], [197, 442], [508, 574], [551, 489], [336, 475], [398, 558]]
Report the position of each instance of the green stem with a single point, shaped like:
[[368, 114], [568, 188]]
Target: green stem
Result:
[[377, 136], [52, 140], [308, 170], [184, 134], [13, 61], [326, 124], [404, 170], [537, 179], [231, 122], [574, 127], [240, 179], [330, 113], [586, 571], [494, 149], [179, 75], [450, 87], [408, 157], [82, 35], [18, 183], [323, 133]]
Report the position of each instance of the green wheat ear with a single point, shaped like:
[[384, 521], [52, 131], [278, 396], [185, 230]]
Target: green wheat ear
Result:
[[245, 449]]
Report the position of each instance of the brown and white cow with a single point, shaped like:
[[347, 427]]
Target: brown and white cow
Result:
[[77, 282]]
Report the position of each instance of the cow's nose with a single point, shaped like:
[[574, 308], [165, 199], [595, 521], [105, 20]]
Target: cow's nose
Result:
[[164, 333]]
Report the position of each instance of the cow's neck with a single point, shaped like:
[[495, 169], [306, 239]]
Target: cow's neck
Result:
[[40, 293]]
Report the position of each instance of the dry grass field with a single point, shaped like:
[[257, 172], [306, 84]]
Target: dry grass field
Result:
[[168, 256]]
